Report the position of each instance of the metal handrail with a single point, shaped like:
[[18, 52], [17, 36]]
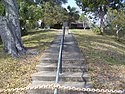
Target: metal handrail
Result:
[[59, 67]]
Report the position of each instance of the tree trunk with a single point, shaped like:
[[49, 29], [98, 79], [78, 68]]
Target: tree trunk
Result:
[[101, 20], [10, 29], [117, 33], [84, 25], [102, 25]]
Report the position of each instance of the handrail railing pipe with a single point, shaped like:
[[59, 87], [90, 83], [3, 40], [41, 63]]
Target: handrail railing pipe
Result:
[[62, 44], [59, 66]]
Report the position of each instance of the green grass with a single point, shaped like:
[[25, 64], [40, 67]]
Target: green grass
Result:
[[16, 73], [105, 58]]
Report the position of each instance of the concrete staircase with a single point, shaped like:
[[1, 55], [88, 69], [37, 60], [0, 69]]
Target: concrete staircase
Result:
[[74, 70]]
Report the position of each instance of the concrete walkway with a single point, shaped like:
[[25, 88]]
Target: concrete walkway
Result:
[[74, 69], [70, 51]]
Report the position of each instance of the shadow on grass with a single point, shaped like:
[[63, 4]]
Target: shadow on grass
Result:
[[40, 44], [103, 47], [35, 40], [39, 31], [39, 40]]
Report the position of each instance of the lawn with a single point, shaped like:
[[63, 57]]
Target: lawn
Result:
[[105, 58], [15, 73]]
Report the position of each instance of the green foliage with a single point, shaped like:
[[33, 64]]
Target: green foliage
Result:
[[95, 5], [96, 29], [56, 2], [49, 11], [2, 10], [84, 20], [82, 17], [116, 22], [59, 2], [46, 11], [73, 14], [29, 14], [99, 7], [53, 14]]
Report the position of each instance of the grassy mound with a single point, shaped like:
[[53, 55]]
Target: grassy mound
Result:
[[105, 58]]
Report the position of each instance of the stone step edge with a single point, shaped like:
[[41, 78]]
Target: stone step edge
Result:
[[48, 59], [64, 74], [69, 83], [63, 66]]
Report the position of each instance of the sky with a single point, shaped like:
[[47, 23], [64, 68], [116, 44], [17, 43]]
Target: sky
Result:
[[72, 4]]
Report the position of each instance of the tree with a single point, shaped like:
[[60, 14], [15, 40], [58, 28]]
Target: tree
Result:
[[55, 2], [10, 29], [52, 14], [30, 13], [116, 22], [73, 14], [84, 19], [46, 11], [23, 15], [58, 2], [99, 7]]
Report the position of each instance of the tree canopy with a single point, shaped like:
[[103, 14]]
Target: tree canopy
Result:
[[53, 14], [99, 7], [52, 1]]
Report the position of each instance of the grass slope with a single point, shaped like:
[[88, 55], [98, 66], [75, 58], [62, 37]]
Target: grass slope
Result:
[[16, 73], [105, 59]]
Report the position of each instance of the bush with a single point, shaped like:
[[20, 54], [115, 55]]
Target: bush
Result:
[[96, 29]]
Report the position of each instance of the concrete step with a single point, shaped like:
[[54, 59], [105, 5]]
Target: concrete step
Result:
[[74, 68], [54, 60], [48, 60], [66, 76], [64, 62], [65, 68], [70, 83], [50, 91]]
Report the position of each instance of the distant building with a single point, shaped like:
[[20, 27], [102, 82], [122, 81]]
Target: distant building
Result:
[[74, 25], [78, 25]]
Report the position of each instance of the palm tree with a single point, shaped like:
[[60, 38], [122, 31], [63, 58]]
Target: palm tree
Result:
[[73, 14]]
